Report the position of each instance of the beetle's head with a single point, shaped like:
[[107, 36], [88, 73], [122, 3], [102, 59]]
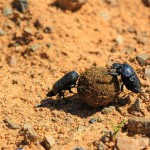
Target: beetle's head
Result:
[[117, 66]]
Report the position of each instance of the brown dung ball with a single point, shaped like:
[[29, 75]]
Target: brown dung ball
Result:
[[71, 4], [97, 88]]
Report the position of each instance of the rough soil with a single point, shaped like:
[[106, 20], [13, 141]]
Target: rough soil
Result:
[[78, 40]]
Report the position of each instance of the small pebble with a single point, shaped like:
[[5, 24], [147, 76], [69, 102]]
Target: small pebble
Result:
[[119, 39], [112, 2], [2, 32], [101, 146], [47, 30], [21, 5], [147, 73], [137, 106], [48, 142], [35, 47], [107, 137], [142, 59], [11, 124], [81, 128], [11, 60], [108, 110], [105, 16], [7, 11], [92, 120], [79, 148]]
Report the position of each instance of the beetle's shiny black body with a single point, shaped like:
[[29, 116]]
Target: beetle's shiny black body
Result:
[[67, 82], [128, 77]]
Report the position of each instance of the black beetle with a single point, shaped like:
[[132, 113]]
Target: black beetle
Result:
[[67, 82], [128, 77]]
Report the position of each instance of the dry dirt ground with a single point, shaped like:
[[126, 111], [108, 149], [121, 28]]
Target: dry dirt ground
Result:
[[33, 58]]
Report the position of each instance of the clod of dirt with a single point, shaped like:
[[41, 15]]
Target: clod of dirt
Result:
[[71, 4], [97, 88]]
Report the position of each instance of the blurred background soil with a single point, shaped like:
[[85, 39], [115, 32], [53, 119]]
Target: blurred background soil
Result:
[[39, 46]]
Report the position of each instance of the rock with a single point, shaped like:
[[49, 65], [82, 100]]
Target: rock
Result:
[[112, 2], [21, 5], [28, 31], [108, 110], [7, 11], [92, 120], [139, 126], [96, 87], [119, 39], [35, 47], [2, 32], [29, 134], [70, 4], [48, 142], [100, 119], [141, 39], [48, 45], [107, 137], [147, 73], [11, 124], [137, 106], [146, 2], [126, 143], [11, 60], [47, 30], [79, 148], [129, 49], [102, 146], [105, 16], [142, 59], [81, 128]]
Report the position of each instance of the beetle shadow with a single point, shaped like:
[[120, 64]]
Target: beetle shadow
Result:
[[71, 104]]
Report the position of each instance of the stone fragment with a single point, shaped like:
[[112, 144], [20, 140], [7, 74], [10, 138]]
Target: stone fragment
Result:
[[147, 73], [105, 16], [11, 124], [28, 31], [102, 146], [79, 148], [35, 47], [71, 4], [92, 120], [48, 142], [107, 137], [126, 143], [81, 128], [2, 32], [29, 134], [142, 59], [47, 29], [21, 5], [119, 39], [108, 110], [11, 60], [137, 106], [139, 126], [112, 2], [7, 11]]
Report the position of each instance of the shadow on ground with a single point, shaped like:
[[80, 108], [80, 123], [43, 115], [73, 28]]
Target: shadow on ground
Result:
[[75, 106], [71, 104]]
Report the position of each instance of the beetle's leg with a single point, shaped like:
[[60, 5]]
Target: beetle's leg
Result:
[[61, 94], [70, 91], [121, 87]]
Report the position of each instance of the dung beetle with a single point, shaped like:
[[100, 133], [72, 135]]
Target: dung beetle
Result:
[[67, 82], [128, 77]]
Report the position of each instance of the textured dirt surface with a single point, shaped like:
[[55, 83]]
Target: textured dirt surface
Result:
[[33, 57]]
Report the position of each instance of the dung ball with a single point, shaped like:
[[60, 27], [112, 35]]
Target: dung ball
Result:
[[97, 87]]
